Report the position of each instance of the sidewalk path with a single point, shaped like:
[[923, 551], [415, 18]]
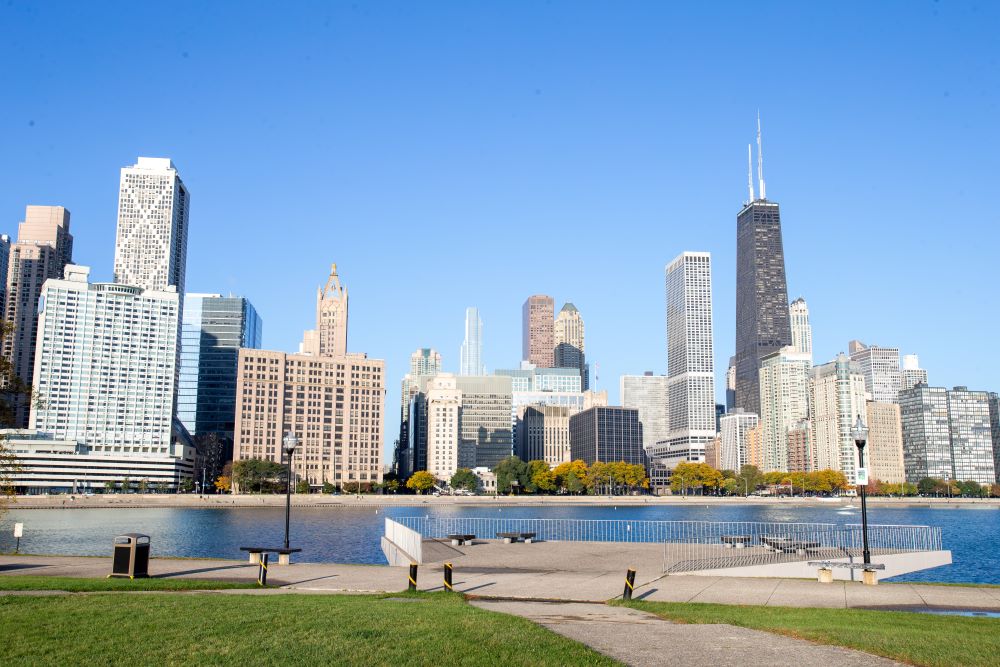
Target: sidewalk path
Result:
[[638, 638]]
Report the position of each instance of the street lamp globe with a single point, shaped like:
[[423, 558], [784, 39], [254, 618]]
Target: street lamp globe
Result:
[[860, 433], [290, 442]]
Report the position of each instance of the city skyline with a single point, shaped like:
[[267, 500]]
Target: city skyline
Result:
[[666, 153]]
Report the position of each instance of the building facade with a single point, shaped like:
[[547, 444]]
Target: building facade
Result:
[[802, 337], [648, 394], [213, 329], [690, 362], [912, 373], [734, 451], [472, 345], [43, 250], [538, 331], [106, 365], [568, 336], [606, 434], [801, 457], [543, 433], [151, 242], [329, 338], [333, 405], [485, 423], [884, 451], [971, 437], [444, 446], [762, 315], [836, 398], [880, 366], [4, 263], [926, 438], [784, 402]]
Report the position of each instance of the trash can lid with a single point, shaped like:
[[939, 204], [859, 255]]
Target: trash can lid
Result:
[[128, 538]]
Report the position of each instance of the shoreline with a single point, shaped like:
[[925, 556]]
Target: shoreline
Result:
[[165, 501]]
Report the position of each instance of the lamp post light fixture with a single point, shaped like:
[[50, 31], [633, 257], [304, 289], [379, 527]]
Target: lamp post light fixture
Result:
[[860, 434], [288, 445]]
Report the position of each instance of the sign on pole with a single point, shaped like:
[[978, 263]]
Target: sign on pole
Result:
[[862, 476], [18, 530]]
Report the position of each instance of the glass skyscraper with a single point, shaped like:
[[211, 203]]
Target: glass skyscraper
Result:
[[213, 330]]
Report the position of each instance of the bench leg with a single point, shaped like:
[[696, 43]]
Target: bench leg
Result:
[[869, 577], [506, 540], [825, 575], [740, 545], [284, 559], [254, 558], [455, 543], [527, 540]]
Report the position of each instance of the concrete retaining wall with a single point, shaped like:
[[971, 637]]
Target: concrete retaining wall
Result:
[[401, 545]]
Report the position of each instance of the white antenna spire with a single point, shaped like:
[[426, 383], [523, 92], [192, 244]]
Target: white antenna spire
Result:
[[750, 171], [760, 160]]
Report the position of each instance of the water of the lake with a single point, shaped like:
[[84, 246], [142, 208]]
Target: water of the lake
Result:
[[352, 535]]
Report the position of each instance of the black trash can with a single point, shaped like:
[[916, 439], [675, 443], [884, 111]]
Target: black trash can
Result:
[[131, 556]]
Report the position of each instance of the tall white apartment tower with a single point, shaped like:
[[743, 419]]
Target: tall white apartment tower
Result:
[[472, 345], [784, 402], [735, 428], [690, 364], [444, 403], [647, 394], [880, 366], [836, 399], [802, 333], [151, 246], [913, 374]]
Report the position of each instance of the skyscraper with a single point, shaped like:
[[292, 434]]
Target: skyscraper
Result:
[[151, 245], [762, 317], [537, 331], [731, 385], [425, 361], [734, 430], [912, 373], [213, 330], [472, 345], [4, 263], [648, 394], [802, 335], [926, 441], [971, 440], [606, 434], [885, 443], [880, 366], [784, 403], [569, 342], [543, 433], [837, 399], [690, 364], [44, 247], [485, 422], [329, 338], [106, 371], [444, 446]]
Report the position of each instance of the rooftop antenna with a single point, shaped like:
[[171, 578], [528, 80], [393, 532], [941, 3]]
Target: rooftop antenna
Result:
[[750, 171], [760, 160]]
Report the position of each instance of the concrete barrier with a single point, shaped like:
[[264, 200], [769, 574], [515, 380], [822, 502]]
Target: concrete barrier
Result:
[[401, 545]]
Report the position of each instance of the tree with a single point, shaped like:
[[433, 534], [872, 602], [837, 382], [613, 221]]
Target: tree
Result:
[[328, 487], [8, 468], [302, 486], [748, 479], [420, 481], [510, 470], [635, 476], [970, 489], [540, 477], [224, 484], [144, 485], [259, 476], [109, 486], [187, 485], [570, 476], [464, 479], [126, 485], [928, 486]]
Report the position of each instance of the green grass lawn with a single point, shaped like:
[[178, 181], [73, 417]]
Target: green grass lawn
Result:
[[172, 629], [919, 639], [17, 582]]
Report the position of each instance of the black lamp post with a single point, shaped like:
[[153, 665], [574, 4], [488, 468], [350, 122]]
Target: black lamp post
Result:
[[288, 445], [860, 434]]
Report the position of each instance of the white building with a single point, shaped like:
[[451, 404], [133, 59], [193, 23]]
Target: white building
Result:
[[472, 345], [784, 402], [151, 246], [802, 334], [880, 366], [836, 398], [444, 403], [647, 394], [735, 429], [106, 365], [690, 362], [913, 374]]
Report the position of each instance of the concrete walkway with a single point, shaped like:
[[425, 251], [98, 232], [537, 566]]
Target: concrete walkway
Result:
[[638, 638], [543, 581]]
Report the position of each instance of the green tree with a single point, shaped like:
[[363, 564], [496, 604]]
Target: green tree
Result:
[[126, 485], [302, 486], [144, 485], [420, 481], [509, 470], [109, 486], [14, 392], [259, 476], [970, 489], [729, 486], [540, 477], [187, 485], [928, 486], [749, 479], [328, 487], [8, 468], [465, 480]]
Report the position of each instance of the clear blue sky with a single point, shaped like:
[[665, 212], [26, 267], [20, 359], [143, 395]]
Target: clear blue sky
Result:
[[456, 154]]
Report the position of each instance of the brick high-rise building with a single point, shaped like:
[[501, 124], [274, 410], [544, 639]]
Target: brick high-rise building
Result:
[[329, 338], [538, 331], [884, 452], [44, 247]]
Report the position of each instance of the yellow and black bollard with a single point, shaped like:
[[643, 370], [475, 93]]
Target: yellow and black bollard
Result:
[[262, 572], [413, 577], [447, 577], [629, 584]]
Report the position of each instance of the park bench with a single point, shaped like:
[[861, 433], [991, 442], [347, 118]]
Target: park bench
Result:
[[737, 541], [458, 539], [508, 538], [283, 554], [826, 570]]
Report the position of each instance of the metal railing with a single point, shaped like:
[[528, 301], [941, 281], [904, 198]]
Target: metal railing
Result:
[[700, 545]]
